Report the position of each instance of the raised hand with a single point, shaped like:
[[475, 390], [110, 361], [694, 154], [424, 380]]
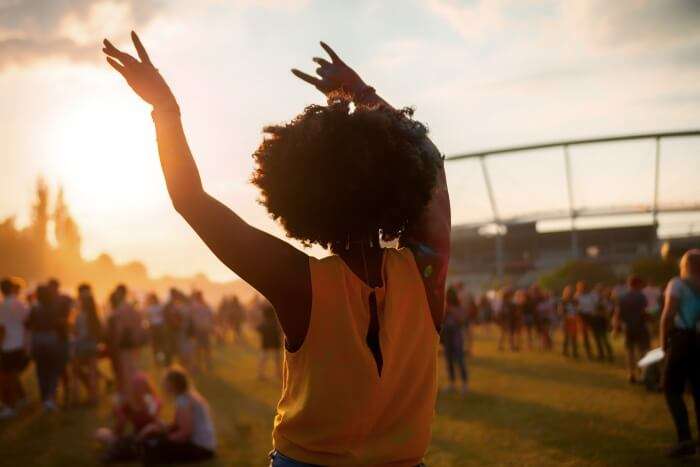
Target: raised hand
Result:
[[333, 76], [142, 76]]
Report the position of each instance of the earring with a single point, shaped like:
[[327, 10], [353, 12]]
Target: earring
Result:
[[347, 243]]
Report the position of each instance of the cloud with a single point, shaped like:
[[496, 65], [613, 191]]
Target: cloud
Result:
[[635, 23], [34, 30], [600, 24]]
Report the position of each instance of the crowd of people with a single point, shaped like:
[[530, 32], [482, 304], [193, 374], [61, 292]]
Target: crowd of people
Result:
[[585, 316], [66, 337], [636, 309]]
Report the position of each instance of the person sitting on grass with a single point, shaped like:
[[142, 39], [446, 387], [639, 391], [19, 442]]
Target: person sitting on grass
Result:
[[361, 326], [132, 415], [190, 437]]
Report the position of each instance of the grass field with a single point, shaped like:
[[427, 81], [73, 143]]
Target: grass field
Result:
[[528, 408]]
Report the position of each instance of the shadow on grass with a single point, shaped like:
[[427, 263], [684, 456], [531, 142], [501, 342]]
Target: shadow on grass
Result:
[[243, 422], [589, 437], [568, 373]]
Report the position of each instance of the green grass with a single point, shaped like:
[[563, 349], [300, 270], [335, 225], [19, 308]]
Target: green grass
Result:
[[529, 408]]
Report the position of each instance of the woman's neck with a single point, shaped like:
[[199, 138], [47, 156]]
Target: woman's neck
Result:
[[365, 261]]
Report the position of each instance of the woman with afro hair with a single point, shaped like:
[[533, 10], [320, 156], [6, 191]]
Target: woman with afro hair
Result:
[[363, 180]]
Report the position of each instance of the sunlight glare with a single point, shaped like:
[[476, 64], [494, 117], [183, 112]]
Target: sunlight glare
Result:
[[106, 158]]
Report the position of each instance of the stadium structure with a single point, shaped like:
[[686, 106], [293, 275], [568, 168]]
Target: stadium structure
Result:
[[515, 249]]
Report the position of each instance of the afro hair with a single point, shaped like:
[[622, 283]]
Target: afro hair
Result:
[[333, 172]]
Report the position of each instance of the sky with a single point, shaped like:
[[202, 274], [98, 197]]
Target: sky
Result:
[[480, 74]]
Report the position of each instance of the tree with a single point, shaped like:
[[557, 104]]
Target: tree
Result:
[[65, 228], [655, 269], [40, 213], [593, 272]]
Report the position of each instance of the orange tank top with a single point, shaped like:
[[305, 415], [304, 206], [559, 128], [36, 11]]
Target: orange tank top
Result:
[[335, 408]]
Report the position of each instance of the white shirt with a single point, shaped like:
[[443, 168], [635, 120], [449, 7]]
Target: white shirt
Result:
[[203, 317], [203, 434], [587, 302], [13, 315], [155, 315], [652, 295]]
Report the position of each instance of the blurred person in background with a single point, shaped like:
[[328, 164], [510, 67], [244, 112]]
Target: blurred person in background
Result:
[[600, 322], [516, 310], [270, 341], [87, 335], [223, 321], [128, 336], [568, 311], [172, 321], [485, 308], [631, 317], [526, 303], [680, 338], [203, 321], [48, 325], [186, 332], [535, 296], [63, 304], [13, 347], [156, 328], [587, 304], [179, 329], [546, 315], [469, 315], [237, 318], [452, 340], [652, 293], [507, 319]]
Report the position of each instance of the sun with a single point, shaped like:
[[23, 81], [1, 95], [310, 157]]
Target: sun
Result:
[[103, 152]]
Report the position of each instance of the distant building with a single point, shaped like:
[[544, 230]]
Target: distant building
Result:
[[676, 246], [522, 253]]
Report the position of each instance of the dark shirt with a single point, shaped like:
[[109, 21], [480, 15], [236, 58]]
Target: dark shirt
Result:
[[51, 318], [633, 306]]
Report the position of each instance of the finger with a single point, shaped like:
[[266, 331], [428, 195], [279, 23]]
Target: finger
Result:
[[112, 51], [140, 49], [116, 65], [308, 78], [323, 72], [330, 52], [321, 61], [104, 50]]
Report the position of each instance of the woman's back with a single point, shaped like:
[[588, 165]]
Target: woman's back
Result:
[[336, 407]]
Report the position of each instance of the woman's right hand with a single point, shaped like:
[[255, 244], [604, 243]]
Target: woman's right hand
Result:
[[142, 76], [334, 76]]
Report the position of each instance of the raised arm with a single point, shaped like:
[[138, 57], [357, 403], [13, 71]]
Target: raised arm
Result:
[[429, 239], [276, 269]]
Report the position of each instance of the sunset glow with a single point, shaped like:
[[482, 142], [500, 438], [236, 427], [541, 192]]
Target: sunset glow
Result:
[[510, 81]]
